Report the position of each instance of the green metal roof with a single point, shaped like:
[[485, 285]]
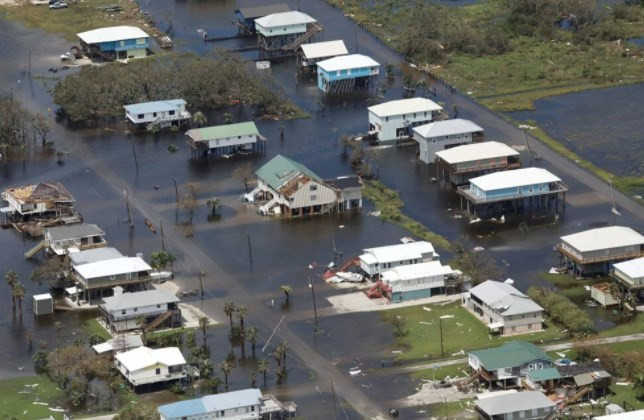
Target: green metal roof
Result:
[[280, 169], [511, 354], [222, 131], [544, 374]]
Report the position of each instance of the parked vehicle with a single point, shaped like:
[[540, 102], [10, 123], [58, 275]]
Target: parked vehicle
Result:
[[58, 5]]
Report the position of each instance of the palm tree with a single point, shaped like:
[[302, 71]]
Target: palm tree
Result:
[[18, 294], [11, 277], [253, 378], [199, 119], [203, 326], [262, 367], [638, 387], [241, 314], [277, 354], [226, 367], [287, 290], [228, 118], [57, 326], [251, 336], [229, 310]]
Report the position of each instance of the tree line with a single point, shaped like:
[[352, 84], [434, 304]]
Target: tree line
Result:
[[98, 92]]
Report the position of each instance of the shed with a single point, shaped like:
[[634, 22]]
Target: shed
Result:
[[603, 294], [318, 51], [43, 304]]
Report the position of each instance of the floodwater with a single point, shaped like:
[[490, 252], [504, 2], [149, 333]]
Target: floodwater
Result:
[[599, 125], [98, 166]]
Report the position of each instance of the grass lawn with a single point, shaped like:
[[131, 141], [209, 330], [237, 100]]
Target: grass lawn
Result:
[[453, 371], [624, 347], [92, 326], [634, 326], [463, 332], [78, 17], [17, 399]]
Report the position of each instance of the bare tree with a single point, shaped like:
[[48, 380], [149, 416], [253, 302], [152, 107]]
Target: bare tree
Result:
[[41, 128], [245, 172], [479, 265]]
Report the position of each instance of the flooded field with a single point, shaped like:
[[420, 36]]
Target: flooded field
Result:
[[98, 166], [598, 125]]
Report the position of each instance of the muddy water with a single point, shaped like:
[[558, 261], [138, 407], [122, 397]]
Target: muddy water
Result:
[[281, 250], [600, 126]]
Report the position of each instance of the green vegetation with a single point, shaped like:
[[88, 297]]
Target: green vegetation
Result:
[[463, 332], [570, 286], [633, 326], [621, 393], [78, 17], [453, 371], [388, 202], [94, 328], [17, 397], [562, 311], [204, 82]]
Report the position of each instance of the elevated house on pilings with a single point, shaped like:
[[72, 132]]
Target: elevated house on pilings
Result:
[[34, 207], [158, 309], [457, 165], [443, 135], [347, 73], [64, 240], [115, 43], [227, 139], [533, 191], [281, 34], [394, 120], [96, 279], [629, 275], [594, 251], [246, 16], [158, 114], [285, 187], [310, 54]]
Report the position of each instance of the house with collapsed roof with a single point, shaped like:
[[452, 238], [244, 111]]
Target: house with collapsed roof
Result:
[[286, 187], [503, 308], [570, 383], [46, 202]]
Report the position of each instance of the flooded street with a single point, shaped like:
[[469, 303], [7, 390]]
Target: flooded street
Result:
[[99, 165]]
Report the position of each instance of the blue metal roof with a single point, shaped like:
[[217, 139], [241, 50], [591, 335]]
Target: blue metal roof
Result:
[[211, 403], [156, 106]]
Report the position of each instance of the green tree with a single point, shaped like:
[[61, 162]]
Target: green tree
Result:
[[251, 336], [203, 326], [226, 367], [228, 118], [287, 290], [18, 294], [638, 386], [138, 411], [211, 385], [12, 278], [229, 310], [41, 357], [199, 119], [262, 367], [160, 260], [41, 127]]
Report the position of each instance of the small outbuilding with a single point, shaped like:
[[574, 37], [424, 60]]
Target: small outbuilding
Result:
[[529, 405], [310, 54], [115, 43], [226, 140], [246, 16], [394, 120], [442, 135], [43, 304], [346, 73], [603, 294]]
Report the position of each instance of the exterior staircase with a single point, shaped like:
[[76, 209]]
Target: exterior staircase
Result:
[[312, 30], [465, 382], [266, 207], [328, 208], [159, 320], [579, 394], [38, 247]]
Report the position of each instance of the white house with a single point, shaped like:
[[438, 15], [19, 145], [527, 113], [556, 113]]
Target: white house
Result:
[[310, 54], [393, 120], [528, 405], [442, 135], [284, 23], [74, 238], [122, 312], [416, 281], [594, 251], [144, 365], [226, 139], [503, 308], [375, 261], [246, 404], [457, 165], [95, 277], [159, 113], [290, 188], [630, 274]]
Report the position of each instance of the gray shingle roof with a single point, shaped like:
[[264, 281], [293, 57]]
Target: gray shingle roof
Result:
[[138, 299], [508, 403], [80, 230], [500, 295]]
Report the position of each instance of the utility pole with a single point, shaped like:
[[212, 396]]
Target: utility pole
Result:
[[333, 396], [162, 237], [136, 161], [127, 205], [202, 274], [250, 250], [176, 189], [315, 308]]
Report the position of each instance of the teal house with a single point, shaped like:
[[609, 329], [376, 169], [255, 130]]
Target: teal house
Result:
[[346, 73], [115, 43]]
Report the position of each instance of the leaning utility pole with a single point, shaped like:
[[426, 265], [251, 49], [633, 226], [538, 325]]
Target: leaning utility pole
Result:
[[127, 205]]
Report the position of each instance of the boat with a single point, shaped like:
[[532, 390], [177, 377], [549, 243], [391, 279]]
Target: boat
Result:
[[160, 276], [350, 277]]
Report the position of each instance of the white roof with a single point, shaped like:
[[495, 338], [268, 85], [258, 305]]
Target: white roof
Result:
[[603, 238], [404, 106], [346, 62], [446, 128], [415, 271], [504, 298], [513, 179], [629, 415], [138, 299], [112, 267], [324, 49], [284, 19], [44, 296], [520, 401], [143, 357], [112, 33], [633, 268], [399, 252], [476, 151]]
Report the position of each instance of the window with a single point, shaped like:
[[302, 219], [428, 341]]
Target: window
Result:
[[158, 371], [158, 306], [386, 119], [141, 41], [122, 43], [171, 112], [404, 116], [534, 316], [154, 114], [529, 326], [252, 408], [337, 73], [313, 188], [349, 72], [140, 116], [414, 115], [314, 197], [112, 277], [123, 312], [425, 114], [136, 309]]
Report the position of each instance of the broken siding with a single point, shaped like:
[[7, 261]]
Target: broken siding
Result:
[[313, 193]]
